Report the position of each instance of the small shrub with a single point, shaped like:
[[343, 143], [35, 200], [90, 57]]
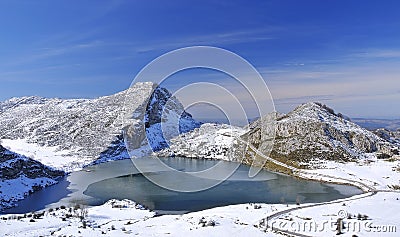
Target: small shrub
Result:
[[211, 223], [77, 206], [394, 186], [382, 156], [202, 221]]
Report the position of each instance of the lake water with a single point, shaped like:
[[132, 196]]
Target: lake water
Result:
[[120, 179]]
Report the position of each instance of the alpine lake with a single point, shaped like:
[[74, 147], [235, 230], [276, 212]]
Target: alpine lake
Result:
[[122, 180]]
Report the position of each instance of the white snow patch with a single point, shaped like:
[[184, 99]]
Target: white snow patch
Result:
[[50, 156], [12, 190], [379, 174]]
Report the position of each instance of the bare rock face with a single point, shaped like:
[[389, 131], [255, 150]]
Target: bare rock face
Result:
[[88, 130], [165, 118]]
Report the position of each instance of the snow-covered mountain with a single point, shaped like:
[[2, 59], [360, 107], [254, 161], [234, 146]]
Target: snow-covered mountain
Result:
[[310, 133], [313, 132], [20, 176], [71, 133]]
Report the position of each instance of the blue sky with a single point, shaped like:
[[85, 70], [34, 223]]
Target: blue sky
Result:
[[343, 53]]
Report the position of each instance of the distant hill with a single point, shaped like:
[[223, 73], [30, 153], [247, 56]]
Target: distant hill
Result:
[[373, 124]]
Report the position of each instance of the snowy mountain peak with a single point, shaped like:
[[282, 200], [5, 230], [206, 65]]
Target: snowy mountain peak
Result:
[[70, 133], [314, 132], [316, 110]]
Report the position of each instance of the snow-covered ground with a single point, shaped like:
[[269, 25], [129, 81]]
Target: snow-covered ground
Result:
[[20, 176], [12, 190], [117, 218], [50, 156], [380, 174], [376, 215]]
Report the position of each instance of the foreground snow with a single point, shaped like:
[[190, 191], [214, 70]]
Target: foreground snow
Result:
[[376, 215], [117, 218]]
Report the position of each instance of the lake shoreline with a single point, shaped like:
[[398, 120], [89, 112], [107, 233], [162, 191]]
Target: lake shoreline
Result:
[[84, 172]]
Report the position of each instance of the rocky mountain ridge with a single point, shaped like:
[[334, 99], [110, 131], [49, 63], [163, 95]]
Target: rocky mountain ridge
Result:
[[71, 133], [308, 135], [314, 132]]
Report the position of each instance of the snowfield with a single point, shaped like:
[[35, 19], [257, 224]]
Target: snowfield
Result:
[[375, 173], [118, 218], [375, 215], [50, 156]]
